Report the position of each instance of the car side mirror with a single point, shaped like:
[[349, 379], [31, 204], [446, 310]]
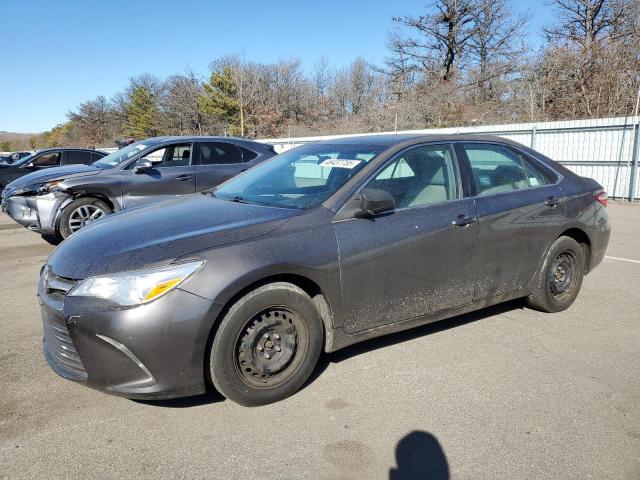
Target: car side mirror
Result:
[[142, 166], [374, 202]]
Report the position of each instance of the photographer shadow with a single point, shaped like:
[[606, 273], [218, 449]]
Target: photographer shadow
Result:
[[419, 456]]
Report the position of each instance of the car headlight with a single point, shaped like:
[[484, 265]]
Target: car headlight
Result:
[[135, 288]]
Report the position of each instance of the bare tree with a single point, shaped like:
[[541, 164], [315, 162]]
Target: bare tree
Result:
[[586, 22], [437, 39], [321, 77], [93, 121], [493, 46], [180, 104]]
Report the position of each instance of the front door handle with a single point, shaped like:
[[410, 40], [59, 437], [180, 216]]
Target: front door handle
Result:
[[184, 178], [463, 221], [552, 202]]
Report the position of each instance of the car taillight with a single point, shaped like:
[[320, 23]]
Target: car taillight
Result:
[[602, 197]]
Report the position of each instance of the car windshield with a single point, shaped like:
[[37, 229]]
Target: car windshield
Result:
[[300, 178], [121, 155]]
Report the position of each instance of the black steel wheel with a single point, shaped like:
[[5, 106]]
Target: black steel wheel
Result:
[[266, 345], [560, 277]]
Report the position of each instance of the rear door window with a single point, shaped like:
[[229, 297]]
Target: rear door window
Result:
[[218, 153], [496, 168], [76, 157]]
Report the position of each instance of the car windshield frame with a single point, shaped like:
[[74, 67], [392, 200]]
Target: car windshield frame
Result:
[[123, 155], [276, 182]]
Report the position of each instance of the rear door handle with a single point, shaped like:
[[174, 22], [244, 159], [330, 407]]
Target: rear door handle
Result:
[[463, 221], [184, 178], [552, 202]]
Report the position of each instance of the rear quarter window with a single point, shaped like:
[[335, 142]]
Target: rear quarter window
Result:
[[95, 156], [247, 155]]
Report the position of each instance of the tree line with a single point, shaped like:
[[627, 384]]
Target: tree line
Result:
[[460, 62]]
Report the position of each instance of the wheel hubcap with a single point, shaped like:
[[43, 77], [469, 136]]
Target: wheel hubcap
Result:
[[562, 275], [267, 347], [84, 215]]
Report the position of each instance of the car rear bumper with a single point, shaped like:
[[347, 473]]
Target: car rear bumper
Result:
[[599, 234], [150, 351]]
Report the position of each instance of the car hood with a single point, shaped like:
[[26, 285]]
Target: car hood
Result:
[[53, 173], [161, 233]]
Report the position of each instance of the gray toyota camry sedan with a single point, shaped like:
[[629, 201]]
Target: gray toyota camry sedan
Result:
[[326, 245]]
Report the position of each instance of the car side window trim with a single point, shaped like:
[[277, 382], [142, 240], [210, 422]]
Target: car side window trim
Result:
[[462, 195]]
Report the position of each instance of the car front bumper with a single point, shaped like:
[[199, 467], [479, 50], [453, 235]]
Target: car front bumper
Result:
[[151, 351], [22, 210], [37, 212]]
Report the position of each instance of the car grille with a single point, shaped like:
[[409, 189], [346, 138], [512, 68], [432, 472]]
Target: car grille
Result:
[[55, 285], [58, 346]]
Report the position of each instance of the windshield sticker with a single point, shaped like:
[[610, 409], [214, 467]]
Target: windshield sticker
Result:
[[340, 163]]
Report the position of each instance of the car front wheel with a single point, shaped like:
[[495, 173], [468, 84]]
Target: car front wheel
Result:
[[80, 213], [266, 346], [560, 278]]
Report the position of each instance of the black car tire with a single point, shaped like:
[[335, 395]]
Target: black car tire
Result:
[[559, 280], [266, 346], [64, 228]]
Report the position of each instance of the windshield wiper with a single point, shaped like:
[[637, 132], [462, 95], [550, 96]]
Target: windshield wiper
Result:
[[237, 198]]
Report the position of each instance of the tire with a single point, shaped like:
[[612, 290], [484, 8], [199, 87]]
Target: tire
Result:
[[54, 239], [266, 346], [69, 221], [559, 280]]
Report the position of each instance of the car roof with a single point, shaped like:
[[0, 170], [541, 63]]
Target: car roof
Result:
[[392, 139], [199, 138], [69, 149]]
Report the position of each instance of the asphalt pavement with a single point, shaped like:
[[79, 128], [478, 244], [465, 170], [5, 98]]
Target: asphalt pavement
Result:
[[504, 393]]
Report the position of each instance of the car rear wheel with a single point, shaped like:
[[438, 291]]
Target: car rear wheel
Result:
[[266, 346], [80, 213], [560, 278]]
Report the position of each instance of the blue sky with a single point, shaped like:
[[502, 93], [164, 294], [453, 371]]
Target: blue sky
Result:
[[55, 54]]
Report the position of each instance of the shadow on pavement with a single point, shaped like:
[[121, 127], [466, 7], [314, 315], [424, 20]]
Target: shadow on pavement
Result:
[[420, 456], [211, 396], [406, 335], [207, 398]]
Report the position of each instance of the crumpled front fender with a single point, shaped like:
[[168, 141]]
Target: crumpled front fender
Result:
[[49, 208]]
